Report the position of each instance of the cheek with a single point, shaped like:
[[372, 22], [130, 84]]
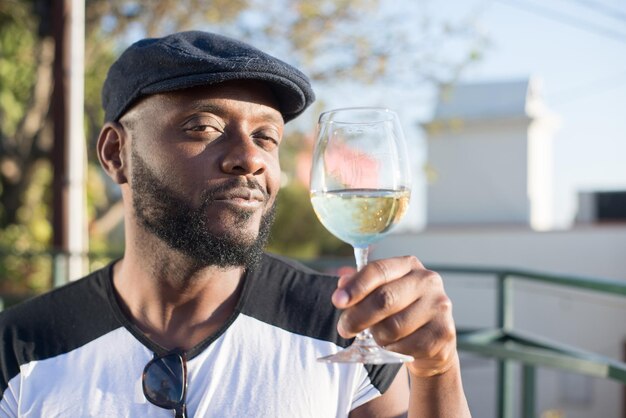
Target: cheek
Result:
[[190, 166], [274, 177]]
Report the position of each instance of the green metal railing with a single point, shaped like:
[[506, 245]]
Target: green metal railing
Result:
[[509, 345], [502, 342]]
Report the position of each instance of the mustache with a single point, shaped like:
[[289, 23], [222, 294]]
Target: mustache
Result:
[[234, 183]]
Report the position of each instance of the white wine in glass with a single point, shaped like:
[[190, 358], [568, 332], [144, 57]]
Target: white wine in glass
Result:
[[360, 189]]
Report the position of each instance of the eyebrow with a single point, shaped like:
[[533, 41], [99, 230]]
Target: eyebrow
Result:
[[210, 108], [272, 117], [206, 107]]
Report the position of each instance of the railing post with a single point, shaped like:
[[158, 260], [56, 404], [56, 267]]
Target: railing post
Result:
[[505, 367], [528, 391], [505, 302], [505, 389]]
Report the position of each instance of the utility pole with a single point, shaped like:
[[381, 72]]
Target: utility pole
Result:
[[68, 155]]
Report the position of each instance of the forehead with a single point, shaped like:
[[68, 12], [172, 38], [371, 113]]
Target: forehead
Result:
[[252, 98]]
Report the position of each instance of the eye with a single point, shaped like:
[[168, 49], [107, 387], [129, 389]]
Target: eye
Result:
[[269, 136], [203, 126]]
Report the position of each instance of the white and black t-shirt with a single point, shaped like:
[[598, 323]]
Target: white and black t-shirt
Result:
[[73, 353]]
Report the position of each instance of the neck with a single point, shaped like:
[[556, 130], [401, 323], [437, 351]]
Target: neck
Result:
[[175, 302]]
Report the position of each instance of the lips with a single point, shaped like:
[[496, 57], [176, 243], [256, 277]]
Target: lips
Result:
[[241, 194]]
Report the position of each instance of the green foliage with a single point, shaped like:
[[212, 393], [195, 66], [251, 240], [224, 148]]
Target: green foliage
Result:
[[24, 266], [17, 72], [97, 64], [297, 231]]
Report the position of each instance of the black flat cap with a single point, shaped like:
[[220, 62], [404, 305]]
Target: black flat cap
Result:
[[195, 58]]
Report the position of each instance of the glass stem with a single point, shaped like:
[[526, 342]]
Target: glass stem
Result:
[[360, 254]]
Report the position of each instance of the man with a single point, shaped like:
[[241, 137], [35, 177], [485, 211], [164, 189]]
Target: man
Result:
[[195, 318]]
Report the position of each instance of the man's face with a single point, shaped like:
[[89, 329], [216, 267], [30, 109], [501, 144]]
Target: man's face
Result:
[[204, 170]]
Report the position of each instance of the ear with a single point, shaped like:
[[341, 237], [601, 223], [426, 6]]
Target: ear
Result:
[[111, 148]]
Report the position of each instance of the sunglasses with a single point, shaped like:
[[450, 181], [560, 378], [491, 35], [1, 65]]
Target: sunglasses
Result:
[[164, 382]]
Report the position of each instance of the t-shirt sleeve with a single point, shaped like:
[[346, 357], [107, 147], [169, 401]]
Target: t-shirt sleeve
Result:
[[8, 402], [374, 381]]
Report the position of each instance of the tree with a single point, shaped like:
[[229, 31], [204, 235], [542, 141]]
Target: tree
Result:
[[25, 88], [362, 41]]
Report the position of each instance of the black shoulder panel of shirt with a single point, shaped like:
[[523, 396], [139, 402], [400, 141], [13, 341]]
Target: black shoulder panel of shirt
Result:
[[55, 323], [289, 295]]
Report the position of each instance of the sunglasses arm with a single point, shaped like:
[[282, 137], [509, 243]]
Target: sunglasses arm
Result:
[[181, 412]]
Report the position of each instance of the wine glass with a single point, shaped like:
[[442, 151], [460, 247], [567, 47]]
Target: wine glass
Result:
[[360, 188]]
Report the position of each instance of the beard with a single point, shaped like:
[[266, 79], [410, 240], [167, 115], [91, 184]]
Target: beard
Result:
[[186, 229]]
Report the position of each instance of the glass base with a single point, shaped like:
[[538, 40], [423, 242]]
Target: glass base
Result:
[[365, 351]]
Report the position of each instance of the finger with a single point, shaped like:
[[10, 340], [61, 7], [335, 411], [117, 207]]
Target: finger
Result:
[[352, 289], [387, 301], [433, 347], [411, 319]]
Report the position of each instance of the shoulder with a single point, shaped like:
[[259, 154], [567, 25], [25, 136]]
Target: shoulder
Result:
[[63, 304], [282, 275], [293, 269], [55, 322], [289, 295], [292, 296]]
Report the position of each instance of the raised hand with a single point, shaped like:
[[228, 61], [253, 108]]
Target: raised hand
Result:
[[406, 309]]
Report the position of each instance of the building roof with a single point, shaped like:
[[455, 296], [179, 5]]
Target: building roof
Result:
[[487, 100]]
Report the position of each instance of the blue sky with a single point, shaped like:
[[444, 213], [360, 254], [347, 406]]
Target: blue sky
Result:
[[578, 49]]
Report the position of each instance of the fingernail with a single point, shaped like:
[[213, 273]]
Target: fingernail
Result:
[[340, 297], [340, 329]]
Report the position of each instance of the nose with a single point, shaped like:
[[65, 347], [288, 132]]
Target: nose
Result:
[[243, 156]]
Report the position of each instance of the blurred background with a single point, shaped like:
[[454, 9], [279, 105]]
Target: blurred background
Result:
[[514, 113]]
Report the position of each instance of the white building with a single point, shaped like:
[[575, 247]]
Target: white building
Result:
[[490, 148], [489, 204]]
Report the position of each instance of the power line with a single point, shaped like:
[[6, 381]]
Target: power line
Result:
[[603, 9], [568, 20], [593, 87]]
